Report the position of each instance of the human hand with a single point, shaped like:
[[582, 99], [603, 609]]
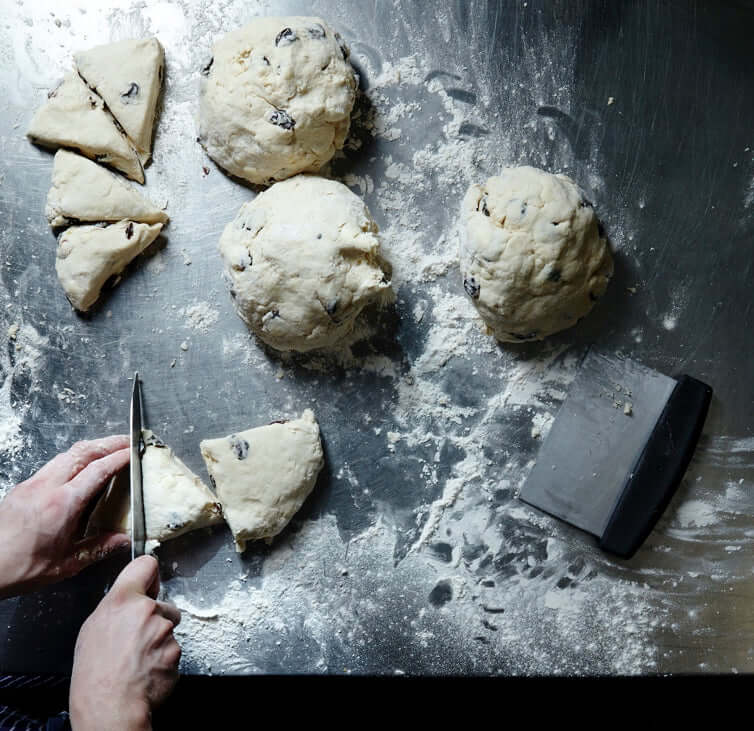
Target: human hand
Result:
[[40, 518], [126, 658]]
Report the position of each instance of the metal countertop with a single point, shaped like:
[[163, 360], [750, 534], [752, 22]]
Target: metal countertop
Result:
[[649, 105]]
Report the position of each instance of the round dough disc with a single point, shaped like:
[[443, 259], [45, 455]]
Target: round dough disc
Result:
[[533, 258], [303, 260], [276, 98]]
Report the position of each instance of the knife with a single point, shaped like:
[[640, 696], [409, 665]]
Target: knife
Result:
[[138, 521]]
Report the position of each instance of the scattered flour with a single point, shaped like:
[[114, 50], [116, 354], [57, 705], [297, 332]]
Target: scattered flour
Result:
[[540, 628], [695, 514], [21, 359], [200, 316]]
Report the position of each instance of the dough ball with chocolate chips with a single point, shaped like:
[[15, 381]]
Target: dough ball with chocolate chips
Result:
[[534, 259], [276, 98], [303, 259]]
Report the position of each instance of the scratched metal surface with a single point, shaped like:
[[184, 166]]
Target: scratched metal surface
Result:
[[675, 157]]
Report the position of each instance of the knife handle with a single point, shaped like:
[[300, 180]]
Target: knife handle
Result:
[[659, 469]]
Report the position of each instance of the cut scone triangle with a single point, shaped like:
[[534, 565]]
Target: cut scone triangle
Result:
[[87, 256], [176, 501], [74, 116], [262, 476], [128, 76], [83, 191]]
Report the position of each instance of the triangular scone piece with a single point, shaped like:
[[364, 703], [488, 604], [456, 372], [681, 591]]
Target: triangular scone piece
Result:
[[89, 255], [84, 191], [76, 117], [176, 501], [128, 76], [262, 476]]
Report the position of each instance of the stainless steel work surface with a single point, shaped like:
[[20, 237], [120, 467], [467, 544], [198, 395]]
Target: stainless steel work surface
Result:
[[413, 554]]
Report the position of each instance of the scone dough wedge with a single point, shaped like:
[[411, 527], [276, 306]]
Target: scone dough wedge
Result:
[[83, 192], [128, 76], [262, 476], [75, 116], [88, 256], [176, 501]]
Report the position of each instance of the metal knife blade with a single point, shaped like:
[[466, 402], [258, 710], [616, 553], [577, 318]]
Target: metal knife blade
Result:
[[138, 521]]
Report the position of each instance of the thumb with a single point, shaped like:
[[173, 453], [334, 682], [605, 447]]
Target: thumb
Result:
[[141, 576], [91, 550]]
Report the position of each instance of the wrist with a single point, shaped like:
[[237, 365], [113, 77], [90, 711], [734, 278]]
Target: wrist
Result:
[[18, 576], [11, 579], [112, 716]]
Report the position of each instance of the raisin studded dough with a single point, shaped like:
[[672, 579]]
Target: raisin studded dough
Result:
[[303, 259], [75, 116], [83, 191], [533, 259], [87, 256], [262, 476], [128, 76], [276, 98], [176, 501]]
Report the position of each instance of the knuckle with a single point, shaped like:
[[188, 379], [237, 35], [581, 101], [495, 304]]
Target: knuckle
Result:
[[148, 605], [164, 627], [78, 449], [173, 652], [98, 470], [170, 611]]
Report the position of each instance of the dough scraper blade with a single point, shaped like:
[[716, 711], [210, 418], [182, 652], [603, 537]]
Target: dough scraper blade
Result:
[[617, 450]]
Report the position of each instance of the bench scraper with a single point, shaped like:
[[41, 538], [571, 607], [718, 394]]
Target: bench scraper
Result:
[[617, 450]]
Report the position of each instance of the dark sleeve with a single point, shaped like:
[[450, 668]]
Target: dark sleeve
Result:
[[58, 723]]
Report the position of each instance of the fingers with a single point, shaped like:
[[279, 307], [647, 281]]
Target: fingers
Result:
[[67, 465], [172, 652], [169, 658], [141, 576], [91, 550], [91, 479], [170, 612], [171, 655]]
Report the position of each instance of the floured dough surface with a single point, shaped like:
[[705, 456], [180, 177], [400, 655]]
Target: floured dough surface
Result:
[[83, 191], [276, 99], [75, 116], [303, 259], [262, 476], [176, 501], [128, 76], [533, 258], [87, 256]]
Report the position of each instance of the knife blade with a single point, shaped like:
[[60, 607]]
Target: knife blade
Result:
[[138, 521]]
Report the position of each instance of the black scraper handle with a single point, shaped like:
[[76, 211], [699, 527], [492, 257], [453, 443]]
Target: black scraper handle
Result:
[[659, 469]]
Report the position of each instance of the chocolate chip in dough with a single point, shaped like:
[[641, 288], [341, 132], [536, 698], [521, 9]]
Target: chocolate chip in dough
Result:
[[130, 94], [471, 287], [239, 446], [285, 37], [282, 119], [206, 68]]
